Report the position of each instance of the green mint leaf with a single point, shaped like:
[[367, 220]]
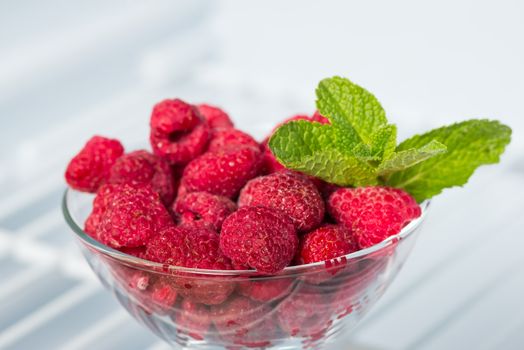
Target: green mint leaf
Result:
[[410, 157], [351, 108], [384, 141], [470, 144], [318, 150]]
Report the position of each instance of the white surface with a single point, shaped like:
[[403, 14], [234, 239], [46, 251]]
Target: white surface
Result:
[[69, 71]]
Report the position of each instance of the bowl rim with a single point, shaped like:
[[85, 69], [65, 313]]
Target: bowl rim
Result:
[[166, 268]]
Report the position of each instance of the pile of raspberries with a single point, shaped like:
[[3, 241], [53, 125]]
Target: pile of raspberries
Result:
[[210, 196]]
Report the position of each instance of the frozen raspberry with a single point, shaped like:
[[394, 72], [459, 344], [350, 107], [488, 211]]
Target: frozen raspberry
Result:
[[290, 119], [142, 167], [265, 290], [372, 213], [290, 192], [243, 321], [258, 237], [194, 319], [203, 209], [134, 216], [104, 197], [215, 117], [325, 243], [136, 284], [317, 117], [222, 173], [352, 287], [195, 247], [205, 289], [270, 162], [178, 132], [89, 169], [306, 312], [139, 252], [225, 138], [163, 294]]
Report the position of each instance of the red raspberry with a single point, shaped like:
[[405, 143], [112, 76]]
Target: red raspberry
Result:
[[194, 247], [225, 138], [194, 319], [306, 312], [142, 167], [317, 117], [205, 289], [104, 197], [134, 215], [259, 237], [290, 119], [215, 117], [178, 132], [270, 162], [203, 209], [163, 295], [222, 173], [89, 169], [290, 192], [139, 252], [265, 290], [244, 321], [271, 165], [372, 213], [353, 287], [325, 243]]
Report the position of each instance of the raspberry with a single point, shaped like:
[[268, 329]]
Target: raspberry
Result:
[[325, 243], [203, 209], [178, 132], [265, 290], [138, 252], [104, 197], [194, 247], [134, 215], [259, 237], [244, 321], [205, 289], [222, 173], [270, 162], [225, 138], [372, 213], [317, 117], [163, 295], [194, 319], [89, 169], [290, 192], [353, 287], [142, 167], [290, 119], [306, 312], [215, 117]]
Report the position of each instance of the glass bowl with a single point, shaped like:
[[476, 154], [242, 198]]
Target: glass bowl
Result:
[[303, 307]]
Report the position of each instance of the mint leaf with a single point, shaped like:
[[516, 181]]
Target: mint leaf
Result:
[[384, 141], [319, 151], [351, 108], [410, 157], [470, 144]]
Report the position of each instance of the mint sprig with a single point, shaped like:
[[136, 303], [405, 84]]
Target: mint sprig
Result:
[[358, 147], [470, 144]]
